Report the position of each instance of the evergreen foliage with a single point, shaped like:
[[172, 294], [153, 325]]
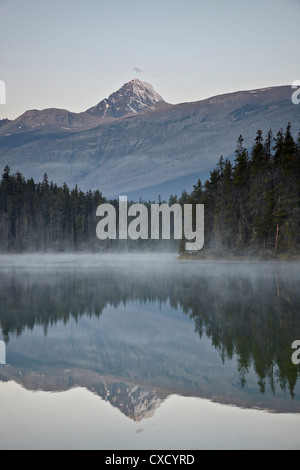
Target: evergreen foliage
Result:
[[251, 205], [43, 216], [254, 205]]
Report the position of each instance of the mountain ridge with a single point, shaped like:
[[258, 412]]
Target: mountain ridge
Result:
[[132, 98], [139, 151]]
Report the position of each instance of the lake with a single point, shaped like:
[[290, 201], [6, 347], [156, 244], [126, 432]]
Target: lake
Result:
[[146, 351]]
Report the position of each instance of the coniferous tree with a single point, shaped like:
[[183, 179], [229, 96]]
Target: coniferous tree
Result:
[[241, 178], [254, 201], [260, 185]]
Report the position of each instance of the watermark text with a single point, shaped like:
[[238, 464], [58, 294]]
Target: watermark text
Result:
[[296, 354], [2, 92], [188, 224], [296, 94]]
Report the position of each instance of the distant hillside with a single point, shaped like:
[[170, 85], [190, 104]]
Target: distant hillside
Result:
[[3, 122], [145, 151]]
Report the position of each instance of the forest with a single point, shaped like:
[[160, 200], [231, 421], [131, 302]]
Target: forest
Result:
[[251, 205]]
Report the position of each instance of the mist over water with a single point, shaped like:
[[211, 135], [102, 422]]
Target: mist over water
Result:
[[135, 329]]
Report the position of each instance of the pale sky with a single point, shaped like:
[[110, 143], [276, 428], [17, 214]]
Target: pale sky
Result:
[[73, 53]]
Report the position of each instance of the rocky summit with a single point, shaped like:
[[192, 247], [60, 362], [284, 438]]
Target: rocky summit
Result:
[[133, 97]]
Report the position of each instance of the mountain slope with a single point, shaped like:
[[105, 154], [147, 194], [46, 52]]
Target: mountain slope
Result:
[[133, 97], [52, 119], [3, 122], [149, 150]]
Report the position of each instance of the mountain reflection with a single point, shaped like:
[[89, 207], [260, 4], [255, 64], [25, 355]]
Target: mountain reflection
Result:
[[249, 313]]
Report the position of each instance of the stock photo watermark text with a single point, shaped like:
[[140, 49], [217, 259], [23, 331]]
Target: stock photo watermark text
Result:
[[2, 92], [296, 94], [138, 228], [296, 354]]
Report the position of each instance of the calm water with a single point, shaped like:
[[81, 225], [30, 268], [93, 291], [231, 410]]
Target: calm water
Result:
[[148, 352]]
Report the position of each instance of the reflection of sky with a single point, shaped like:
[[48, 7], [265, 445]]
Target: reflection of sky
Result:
[[147, 339], [142, 332], [77, 419]]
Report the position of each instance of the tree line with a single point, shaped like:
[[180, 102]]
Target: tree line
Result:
[[252, 204], [43, 216], [47, 217]]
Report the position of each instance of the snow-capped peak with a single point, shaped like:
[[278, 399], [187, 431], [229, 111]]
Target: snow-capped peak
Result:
[[133, 97]]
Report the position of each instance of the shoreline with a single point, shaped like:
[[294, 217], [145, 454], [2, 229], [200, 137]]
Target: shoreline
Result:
[[239, 257]]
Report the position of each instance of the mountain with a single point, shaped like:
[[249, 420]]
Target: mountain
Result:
[[134, 401], [158, 149], [50, 120], [134, 97], [3, 122]]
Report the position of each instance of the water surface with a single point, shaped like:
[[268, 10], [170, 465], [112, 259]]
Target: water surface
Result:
[[146, 351]]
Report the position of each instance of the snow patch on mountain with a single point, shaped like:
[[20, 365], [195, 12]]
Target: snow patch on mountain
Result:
[[133, 97]]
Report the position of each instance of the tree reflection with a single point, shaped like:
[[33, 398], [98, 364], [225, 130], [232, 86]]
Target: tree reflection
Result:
[[253, 315]]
